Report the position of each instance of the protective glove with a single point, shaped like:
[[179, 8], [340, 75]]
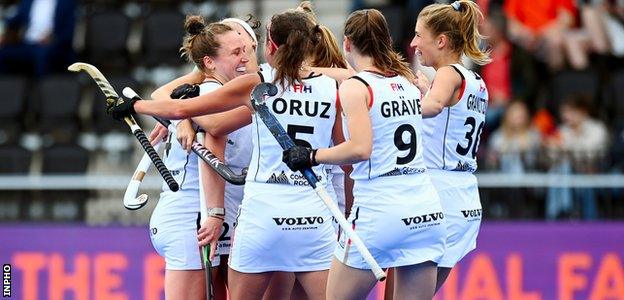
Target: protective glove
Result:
[[298, 158]]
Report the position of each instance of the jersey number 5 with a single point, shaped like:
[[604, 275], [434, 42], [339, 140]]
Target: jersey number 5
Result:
[[292, 131], [473, 140]]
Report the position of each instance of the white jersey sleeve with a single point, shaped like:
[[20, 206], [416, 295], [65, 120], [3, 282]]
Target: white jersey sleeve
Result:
[[452, 137], [307, 111], [396, 118]]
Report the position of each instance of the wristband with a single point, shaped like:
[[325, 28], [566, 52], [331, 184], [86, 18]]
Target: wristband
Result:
[[216, 212], [313, 161]]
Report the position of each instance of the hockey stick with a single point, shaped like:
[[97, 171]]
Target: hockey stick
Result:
[[205, 251], [111, 97], [130, 200], [206, 155], [268, 89]]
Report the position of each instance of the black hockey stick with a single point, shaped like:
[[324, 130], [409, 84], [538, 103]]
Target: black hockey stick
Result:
[[258, 94], [112, 96], [206, 155], [205, 251]]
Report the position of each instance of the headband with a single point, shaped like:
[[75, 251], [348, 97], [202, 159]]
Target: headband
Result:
[[246, 26]]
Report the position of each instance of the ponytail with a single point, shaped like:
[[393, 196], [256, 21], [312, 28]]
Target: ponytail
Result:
[[459, 22], [293, 33], [368, 31], [326, 53]]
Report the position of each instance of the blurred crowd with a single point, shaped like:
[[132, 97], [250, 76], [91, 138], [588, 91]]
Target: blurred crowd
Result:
[[556, 85]]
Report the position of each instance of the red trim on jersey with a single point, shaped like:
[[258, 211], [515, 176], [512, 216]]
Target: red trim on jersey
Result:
[[337, 99], [461, 89], [370, 91]]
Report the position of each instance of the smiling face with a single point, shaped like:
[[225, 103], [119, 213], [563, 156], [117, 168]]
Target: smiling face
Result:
[[426, 46], [231, 58], [250, 46]]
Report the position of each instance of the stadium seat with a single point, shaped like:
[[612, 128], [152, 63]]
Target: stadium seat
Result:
[[163, 32], [57, 100], [13, 91], [613, 97], [106, 39], [65, 159], [14, 160]]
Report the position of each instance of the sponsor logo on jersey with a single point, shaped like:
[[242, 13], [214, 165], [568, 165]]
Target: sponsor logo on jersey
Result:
[[402, 107], [472, 214], [299, 223], [297, 107], [299, 179], [464, 166], [404, 171], [281, 178], [423, 221]]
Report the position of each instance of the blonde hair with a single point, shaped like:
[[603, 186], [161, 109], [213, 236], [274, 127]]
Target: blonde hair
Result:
[[368, 31], [459, 22]]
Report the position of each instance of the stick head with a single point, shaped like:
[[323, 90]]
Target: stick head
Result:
[[136, 203], [262, 90]]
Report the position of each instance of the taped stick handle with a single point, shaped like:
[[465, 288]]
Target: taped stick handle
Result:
[[202, 152], [160, 166]]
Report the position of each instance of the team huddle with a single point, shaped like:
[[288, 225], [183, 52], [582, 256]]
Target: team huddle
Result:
[[395, 152]]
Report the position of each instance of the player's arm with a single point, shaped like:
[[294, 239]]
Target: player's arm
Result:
[[336, 73], [226, 122], [354, 99], [233, 94], [214, 191], [446, 84]]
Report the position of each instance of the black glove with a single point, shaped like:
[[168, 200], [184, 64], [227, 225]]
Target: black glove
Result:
[[185, 91], [120, 108], [298, 158]]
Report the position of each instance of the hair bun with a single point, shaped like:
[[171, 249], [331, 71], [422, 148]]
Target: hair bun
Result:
[[194, 25]]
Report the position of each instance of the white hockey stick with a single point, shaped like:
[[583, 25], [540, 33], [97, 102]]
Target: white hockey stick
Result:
[[130, 200]]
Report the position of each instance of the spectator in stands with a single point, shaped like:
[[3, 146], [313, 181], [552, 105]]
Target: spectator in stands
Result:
[[590, 37], [38, 37], [540, 27], [582, 145], [497, 73], [514, 146]]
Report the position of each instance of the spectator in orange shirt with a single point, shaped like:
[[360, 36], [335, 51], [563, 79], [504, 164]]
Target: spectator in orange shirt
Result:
[[541, 26]]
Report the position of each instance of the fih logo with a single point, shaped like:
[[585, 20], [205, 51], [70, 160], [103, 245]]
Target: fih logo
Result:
[[423, 218], [396, 87], [472, 213], [281, 178]]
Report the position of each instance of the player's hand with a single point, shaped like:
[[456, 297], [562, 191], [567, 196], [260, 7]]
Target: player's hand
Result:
[[159, 133], [120, 108], [209, 234], [185, 91], [422, 82], [298, 158], [186, 134]]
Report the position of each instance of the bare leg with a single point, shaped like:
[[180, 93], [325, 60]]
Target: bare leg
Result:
[[184, 284], [443, 274], [415, 281], [248, 286], [345, 282], [219, 279], [313, 283], [280, 286], [298, 293]]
